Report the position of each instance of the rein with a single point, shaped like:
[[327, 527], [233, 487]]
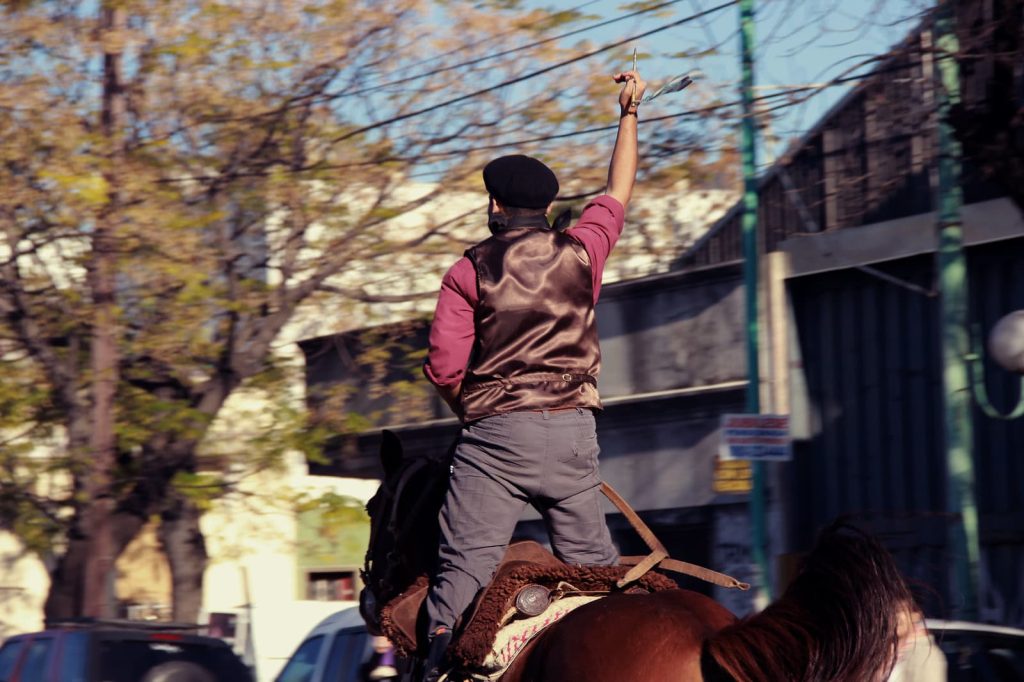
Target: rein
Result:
[[659, 555], [392, 498]]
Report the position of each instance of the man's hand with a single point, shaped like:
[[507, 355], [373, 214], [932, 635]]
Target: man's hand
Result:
[[622, 169], [632, 91]]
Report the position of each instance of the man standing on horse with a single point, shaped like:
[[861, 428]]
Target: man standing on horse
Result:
[[514, 352]]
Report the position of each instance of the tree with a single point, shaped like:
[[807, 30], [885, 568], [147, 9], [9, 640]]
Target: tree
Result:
[[180, 179]]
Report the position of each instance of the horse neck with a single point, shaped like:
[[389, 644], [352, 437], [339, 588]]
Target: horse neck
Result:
[[838, 621]]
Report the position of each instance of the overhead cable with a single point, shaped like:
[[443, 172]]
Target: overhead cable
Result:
[[532, 74], [460, 48], [529, 46], [813, 89]]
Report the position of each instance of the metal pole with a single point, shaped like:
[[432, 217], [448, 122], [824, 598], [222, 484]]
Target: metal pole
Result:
[[960, 500], [748, 149]]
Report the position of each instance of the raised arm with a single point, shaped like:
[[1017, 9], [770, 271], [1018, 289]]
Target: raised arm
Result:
[[622, 169]]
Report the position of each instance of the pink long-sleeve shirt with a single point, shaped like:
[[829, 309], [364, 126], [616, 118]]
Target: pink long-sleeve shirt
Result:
[[452, 334]]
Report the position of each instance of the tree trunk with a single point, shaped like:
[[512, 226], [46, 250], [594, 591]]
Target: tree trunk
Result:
[[66, 598], [185, 548], [67, 581], [96, 519]]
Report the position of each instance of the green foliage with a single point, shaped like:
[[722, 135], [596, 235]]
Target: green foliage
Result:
[[28, 519], [333, 507], [498, 5], [553, 19], [333, 529], [228, 178], [639, 5], [202, 489], [144, 416], [693, 54]]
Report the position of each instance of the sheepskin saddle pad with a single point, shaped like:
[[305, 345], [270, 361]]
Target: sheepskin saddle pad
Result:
[[477, 645]]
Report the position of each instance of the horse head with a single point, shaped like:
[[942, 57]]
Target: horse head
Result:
[[403, 525]]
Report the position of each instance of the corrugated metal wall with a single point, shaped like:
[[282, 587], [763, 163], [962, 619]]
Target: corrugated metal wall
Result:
[[997, 287], [872, 361]]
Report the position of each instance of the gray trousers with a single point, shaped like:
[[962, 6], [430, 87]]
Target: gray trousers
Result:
[[502, 463]]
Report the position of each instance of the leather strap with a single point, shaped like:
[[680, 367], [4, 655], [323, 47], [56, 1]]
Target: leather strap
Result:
[[533, 377], [659, 555], [677, 566], [641, 567]]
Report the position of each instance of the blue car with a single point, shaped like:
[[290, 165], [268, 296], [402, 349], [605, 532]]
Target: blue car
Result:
[[119, 651]]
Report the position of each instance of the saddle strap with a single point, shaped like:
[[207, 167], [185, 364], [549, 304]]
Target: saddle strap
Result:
[[641, 567], [677, 566], [659, 555]]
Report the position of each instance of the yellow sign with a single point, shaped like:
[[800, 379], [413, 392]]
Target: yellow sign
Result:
[[732, 476]]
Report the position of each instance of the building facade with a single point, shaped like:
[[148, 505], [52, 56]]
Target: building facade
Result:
[[851, 348]]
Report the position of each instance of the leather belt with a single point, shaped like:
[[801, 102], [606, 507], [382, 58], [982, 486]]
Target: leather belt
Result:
[[533, 377]]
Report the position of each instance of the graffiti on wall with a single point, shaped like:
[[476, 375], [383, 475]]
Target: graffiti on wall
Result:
[[731, 554]]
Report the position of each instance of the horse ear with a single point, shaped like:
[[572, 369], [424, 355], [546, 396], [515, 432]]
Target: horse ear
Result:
[[390, 452]]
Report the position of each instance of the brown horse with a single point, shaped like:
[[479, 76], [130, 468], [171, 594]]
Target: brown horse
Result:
[[840, 620]]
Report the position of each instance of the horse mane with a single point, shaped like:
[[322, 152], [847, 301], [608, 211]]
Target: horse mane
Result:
[[403, 518], [838, 621]]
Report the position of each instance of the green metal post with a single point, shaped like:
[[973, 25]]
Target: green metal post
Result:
[[960, 500], [748, 148]]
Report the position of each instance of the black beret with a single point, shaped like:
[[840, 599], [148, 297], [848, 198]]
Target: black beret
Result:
[[520, 181]]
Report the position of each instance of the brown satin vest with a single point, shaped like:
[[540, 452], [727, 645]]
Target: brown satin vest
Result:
[[536, 336]]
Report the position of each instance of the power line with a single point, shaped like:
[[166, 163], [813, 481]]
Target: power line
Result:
[[529, 46], [474, 43], [699, 15], [813, 88], [528, 76]]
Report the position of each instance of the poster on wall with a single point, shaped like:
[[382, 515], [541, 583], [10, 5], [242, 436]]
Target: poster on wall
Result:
[[762, 437]]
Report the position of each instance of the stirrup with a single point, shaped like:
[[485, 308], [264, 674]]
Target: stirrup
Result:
[[433, 670]]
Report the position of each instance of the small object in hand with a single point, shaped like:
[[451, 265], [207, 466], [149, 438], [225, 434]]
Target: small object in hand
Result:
[[635, 101], [673, 85]]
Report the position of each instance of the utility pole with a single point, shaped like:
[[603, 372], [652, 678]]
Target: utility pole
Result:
[[97, 524], [952, 267], [748, 149]]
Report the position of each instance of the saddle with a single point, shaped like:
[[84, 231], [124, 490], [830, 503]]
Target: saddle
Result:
[[525, 563], [400, 617]]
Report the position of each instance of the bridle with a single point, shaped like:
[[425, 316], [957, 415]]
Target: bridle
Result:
[[392, 494]]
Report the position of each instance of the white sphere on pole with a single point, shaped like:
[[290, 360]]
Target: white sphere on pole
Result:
[[1006, 342]]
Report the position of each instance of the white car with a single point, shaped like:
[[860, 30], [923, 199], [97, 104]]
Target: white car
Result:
[[339, 649], [957, 651]]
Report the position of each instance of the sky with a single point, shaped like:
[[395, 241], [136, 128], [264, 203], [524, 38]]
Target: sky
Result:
[[798, 42]]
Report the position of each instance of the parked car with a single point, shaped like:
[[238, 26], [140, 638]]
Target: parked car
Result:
[[119, 651], [957, 651], [339, 649], [977, 651]]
